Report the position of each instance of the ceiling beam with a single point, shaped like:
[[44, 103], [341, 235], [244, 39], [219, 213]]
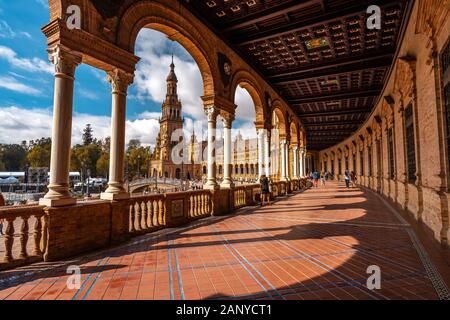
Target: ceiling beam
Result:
[[375, 63], [332, 123], [372, 60], [347, 11], [333, 113], [268, 13], [337, 96]]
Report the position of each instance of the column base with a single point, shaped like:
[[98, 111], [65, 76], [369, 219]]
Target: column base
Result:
[[211, 186], [63, 202], [114, 196], [227, 185]]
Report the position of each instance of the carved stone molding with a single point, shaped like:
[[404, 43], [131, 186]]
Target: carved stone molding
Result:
[[211, 113], [227, 119], [120, 81], [65, 60], [405, 78]]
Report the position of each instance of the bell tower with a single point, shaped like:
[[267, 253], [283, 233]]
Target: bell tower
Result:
[[171, 119]]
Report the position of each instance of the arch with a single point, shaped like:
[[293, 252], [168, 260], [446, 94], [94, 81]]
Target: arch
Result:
[[279, 121], [294, 134], [247, 81], [152, 15], [178, 174]]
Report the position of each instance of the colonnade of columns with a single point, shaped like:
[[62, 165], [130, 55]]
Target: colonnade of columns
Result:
[[65, 62]]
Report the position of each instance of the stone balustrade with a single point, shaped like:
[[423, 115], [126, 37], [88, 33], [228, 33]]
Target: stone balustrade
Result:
[[22, 243], [59, 233]]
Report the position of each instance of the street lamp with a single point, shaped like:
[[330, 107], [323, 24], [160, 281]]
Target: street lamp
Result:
[[138, 167], [88, 182]]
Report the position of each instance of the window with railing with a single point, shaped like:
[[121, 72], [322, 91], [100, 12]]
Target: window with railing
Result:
[[391, 153], [410, 144]]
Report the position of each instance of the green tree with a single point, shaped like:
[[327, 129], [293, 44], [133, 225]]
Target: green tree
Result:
[[137, 156], [39, 153], [88, 136], [102, 165], [85, 157], [13, 156]]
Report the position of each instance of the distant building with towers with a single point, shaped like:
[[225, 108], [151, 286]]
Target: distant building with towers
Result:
[[162, 164]]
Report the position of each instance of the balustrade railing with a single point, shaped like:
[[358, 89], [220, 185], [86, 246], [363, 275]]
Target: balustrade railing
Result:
[[147, 213], [26, 228], [22, 243], [200, 203]]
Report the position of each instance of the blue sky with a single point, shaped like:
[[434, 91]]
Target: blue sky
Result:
[[26, 83]]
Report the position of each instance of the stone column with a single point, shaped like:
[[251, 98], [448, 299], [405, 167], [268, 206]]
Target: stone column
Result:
[[283, 160], [227, 152], [119, 81], [65, 63], [211, 113], [288, 171], [295, 150], [260, 133], [304, 162], [302, 174], [267, 153]]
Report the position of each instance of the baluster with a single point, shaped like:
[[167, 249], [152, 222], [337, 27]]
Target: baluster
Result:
[[155, 213], [24, 238], [196, 204], [144, 215], [132, 218], [149, 214], [208, 204], [9, 240], [191, 206], [137, 208], [200, 199], [44, 235], [37, 236], [162, 218]]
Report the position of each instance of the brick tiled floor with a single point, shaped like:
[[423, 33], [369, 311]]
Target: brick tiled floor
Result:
[[313, 245]]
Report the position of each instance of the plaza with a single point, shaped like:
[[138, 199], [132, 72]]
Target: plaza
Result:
[[331, 94]]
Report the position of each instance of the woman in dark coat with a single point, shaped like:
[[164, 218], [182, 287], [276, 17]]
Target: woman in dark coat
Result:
[[265, 190]]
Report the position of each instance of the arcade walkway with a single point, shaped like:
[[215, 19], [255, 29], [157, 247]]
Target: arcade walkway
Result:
[[313, 245]]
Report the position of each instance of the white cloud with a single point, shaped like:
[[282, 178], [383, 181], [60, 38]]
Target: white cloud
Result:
[[20, 124], [43, 3], [5, 30], [8, 33], [12, 84], [245, 107], [31, 65], [150, 81]]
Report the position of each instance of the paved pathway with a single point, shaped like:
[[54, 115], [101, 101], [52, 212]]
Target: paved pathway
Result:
[[313, 245]]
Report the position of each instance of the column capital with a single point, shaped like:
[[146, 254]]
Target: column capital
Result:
[[227, 119], [120, 80], [211, 113], [64, 59]]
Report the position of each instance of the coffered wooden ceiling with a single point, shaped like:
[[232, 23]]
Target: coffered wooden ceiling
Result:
[[318, 54]]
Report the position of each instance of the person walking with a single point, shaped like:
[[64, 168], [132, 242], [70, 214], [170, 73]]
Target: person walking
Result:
[[347, 179], [316, 177], [353, 179], [322, 179], [265, 192]]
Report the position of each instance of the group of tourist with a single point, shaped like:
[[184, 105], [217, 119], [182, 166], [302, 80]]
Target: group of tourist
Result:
[[323, 177]]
